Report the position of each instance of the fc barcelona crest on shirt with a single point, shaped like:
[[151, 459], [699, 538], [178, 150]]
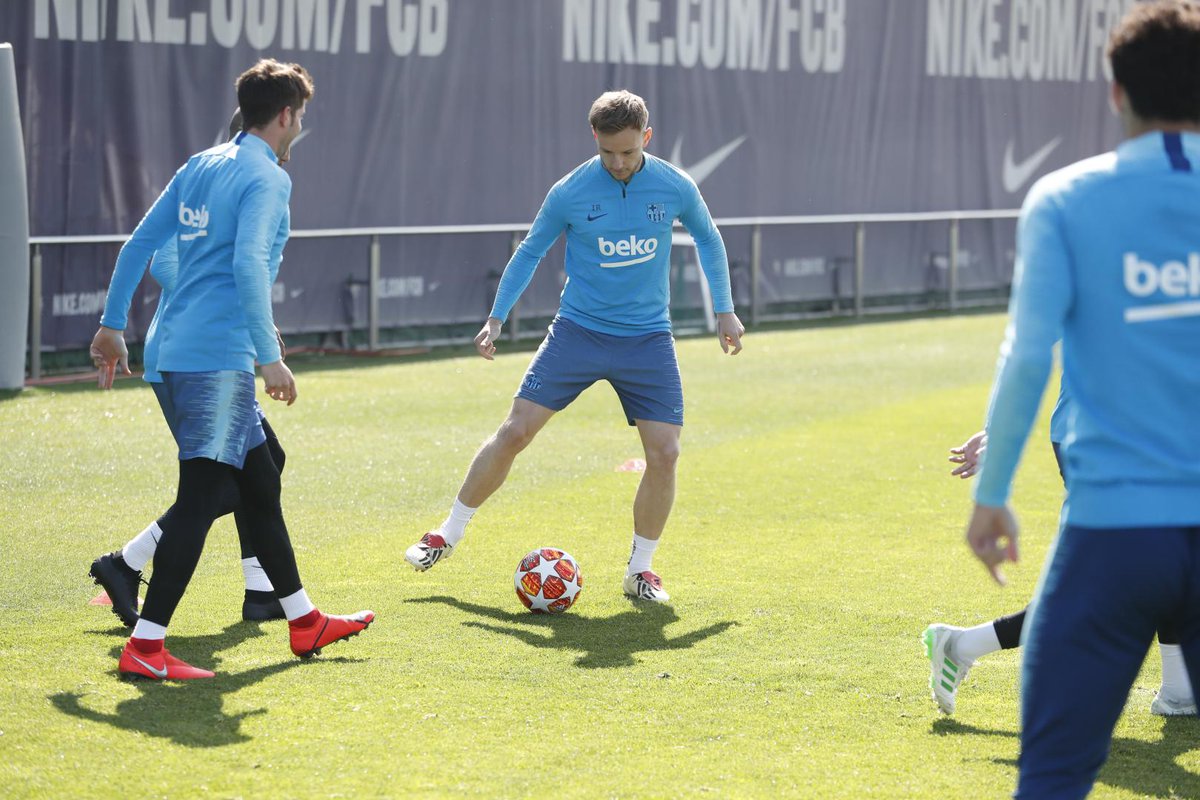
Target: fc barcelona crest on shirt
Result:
[[656, 212]]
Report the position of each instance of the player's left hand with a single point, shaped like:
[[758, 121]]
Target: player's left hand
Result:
[[485, 340], [108, 352], [280, 383], [992, 534], [730, 330]]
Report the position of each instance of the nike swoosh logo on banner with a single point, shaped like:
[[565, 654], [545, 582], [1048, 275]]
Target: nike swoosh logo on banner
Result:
[[707, 165], [160, 673], [1017, 175]]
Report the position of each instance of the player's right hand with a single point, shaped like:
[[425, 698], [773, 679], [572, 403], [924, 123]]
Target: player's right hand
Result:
[[108, 352], [485, 340], [968, 455], [280, 383], [992, 533]]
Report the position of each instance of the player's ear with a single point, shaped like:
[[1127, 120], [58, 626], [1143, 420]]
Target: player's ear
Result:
[[1116, 98], [285, 117], [595, 135], [646, 136]]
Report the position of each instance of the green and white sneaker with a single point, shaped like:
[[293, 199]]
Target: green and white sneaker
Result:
[[945, 672], [1166, 706]]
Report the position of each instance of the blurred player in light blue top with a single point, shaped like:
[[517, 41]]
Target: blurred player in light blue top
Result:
[[228, 210], [1108, 261], [617, 210], [953, 651]]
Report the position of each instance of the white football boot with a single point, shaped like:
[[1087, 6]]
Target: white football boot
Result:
[[432, 548], [1166, 706], [946, 672], [645, 586]]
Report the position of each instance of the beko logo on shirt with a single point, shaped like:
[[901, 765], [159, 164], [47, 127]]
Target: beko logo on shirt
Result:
[[193, 219], [633, 246], [1174, 279]]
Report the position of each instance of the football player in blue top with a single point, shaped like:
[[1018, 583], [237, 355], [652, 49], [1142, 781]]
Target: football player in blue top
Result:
[[1108, 261], [120, 572], [617, 210], [953, 651], [228, 208]]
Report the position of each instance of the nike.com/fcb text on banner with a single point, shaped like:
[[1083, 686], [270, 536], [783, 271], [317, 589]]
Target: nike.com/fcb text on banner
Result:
[[836, 76]]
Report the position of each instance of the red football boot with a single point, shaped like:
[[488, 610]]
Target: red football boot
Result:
[[160, 666], [307, 640]]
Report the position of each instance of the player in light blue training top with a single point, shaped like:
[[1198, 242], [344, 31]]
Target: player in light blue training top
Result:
[[953, 651], [1108, 261], [120, 572], [617, 210], [228, 208]]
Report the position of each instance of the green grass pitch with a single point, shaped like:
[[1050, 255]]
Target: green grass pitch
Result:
[[816, 533]]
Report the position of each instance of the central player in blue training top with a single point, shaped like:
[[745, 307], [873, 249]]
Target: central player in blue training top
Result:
[[1108, 261], [617, 210]]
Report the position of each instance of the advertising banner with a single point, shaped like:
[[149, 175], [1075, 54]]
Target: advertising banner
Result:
[[448, 112]]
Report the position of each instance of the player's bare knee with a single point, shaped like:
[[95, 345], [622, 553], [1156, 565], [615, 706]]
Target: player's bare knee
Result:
[[514, 435], [662, 456]]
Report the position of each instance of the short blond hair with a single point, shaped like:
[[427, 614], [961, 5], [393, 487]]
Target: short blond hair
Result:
[[613, 112]]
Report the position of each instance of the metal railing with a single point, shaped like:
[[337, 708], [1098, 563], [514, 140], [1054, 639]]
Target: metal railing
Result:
[[756, 224]]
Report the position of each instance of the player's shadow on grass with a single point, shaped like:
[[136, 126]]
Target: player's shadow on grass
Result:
[[1147, 769], [605, 642], [189, 713]]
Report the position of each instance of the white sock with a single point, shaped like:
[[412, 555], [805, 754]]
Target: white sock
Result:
[[640, 554], [296, 605], [455, 526], [256, 577], [140, 550], [144, 629], [1175, 683], [974, 643]]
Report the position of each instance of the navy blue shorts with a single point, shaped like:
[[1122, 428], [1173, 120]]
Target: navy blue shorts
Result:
[[642, 369], [212, 414], [1101, 596]]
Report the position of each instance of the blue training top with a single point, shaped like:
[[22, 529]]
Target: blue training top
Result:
[[165, 271], [618, 247], [1058, 418], [1108, 258], [228, 206]]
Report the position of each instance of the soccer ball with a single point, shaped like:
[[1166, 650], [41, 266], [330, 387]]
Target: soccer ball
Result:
[[548, 581]]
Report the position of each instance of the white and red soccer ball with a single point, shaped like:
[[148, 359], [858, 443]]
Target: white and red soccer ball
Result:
[[548, 581]]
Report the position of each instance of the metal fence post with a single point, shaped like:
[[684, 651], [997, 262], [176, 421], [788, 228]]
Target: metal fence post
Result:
[[952, 276], [35, 314], [373, 297], [860, 242], [755, 271]]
